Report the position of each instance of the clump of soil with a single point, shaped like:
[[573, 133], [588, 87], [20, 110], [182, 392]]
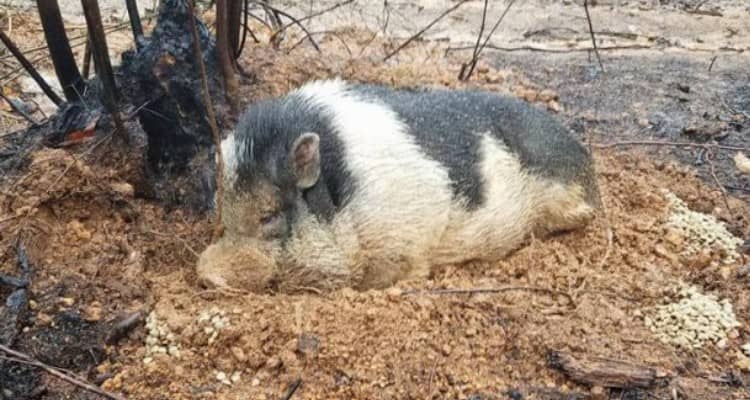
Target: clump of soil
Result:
[[100, 252]]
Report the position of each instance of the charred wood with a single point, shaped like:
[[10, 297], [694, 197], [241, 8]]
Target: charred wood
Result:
[[86, 59], [30, 69], [235, 26], [59, 49], [135, 22], [110, 94], [605, 372], [224, 51]]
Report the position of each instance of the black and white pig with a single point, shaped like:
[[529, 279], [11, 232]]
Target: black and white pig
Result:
[[339, 184]]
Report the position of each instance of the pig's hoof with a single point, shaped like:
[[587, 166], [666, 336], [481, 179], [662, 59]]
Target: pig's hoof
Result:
[[228, 264]]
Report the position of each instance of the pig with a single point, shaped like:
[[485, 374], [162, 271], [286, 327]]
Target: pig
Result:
[[340, 184]]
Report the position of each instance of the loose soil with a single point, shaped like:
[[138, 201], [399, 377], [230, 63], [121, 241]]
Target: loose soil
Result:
[[99, 253]]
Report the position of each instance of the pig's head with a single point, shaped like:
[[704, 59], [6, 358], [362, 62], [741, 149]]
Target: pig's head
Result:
[[264, 180], [268, 163]]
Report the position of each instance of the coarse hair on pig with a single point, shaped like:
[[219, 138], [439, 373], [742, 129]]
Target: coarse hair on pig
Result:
[[362, 185]]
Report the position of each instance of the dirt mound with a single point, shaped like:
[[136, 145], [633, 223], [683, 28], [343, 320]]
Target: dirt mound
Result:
[[100, 252]]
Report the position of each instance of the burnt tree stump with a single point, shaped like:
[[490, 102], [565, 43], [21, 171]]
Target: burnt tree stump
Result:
[[169, 145], [161, 81]]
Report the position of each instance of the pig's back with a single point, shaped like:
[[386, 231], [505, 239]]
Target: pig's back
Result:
[[449, 126]]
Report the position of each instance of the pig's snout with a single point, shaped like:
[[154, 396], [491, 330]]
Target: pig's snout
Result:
[[236, 264]]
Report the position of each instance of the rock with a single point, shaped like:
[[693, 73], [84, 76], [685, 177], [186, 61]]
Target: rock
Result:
[[93, 312], [742, 163], [553, 106], [122, 188], [393, 293], [742, 363], [67, 301], [238, 353], [273, 363], [598, 393], [308, 344]]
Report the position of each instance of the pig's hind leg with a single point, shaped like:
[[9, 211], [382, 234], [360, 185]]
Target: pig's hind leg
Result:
[[562, 208]]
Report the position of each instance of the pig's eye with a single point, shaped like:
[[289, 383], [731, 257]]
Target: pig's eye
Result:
[[269, 218]]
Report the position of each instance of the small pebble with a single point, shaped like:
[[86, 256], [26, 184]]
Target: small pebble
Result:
[[67, 301]]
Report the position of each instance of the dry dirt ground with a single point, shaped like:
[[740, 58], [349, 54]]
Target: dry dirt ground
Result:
[[98, 253]]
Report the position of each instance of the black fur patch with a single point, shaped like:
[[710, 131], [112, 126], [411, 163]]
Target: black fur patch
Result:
[[273, 125], [447, 124]]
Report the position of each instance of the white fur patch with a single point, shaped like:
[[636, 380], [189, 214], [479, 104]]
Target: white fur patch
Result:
[[504, 219], [402, 196]]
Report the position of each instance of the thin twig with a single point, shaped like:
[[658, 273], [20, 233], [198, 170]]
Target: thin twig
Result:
[[330, 32], [295, 21], [224, 291], [316, 14], [423, 30], [591, 31], [66, 376], [712, 169], [561, 51], [488, 290], [211, 120], [610, 235], [17, 109], [81, 39], [494, 27], [292, 389], [673, 144], [262, 21], [29, 67], [711, 65], [181, 239], [243, 36], [463, 75]]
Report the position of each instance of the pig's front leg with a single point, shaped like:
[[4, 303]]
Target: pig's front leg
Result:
[[315, 256]]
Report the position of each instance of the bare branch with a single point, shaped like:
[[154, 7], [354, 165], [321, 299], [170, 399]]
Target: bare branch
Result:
[[223, 51], [17, 109], [212, 123], [423, 30], [135, 22], [111, 95], [27, 65], [463, 74], [59, 49], [591, 31], [490, 290], [67, 376], [478, 51], [295, 21]]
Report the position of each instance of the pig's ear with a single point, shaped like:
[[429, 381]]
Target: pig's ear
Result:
[[305, 158]]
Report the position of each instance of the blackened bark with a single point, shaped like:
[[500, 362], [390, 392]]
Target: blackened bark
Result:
[[59, 49]]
